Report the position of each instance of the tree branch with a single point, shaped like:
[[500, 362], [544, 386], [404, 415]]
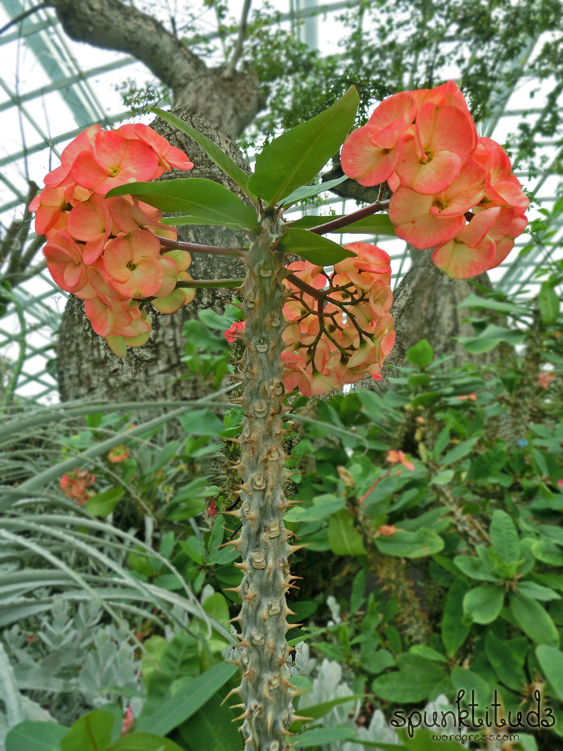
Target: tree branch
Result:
[[112, 25], [230, 69], [230, 105], [22, 17]]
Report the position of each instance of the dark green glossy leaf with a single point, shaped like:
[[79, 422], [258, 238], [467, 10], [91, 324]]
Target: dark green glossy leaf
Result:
[[293, 159], [222, 160], [314, 248], [206, 201]]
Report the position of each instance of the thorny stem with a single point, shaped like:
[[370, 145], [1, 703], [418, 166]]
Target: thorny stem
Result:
[[345, 221], [263, 541], [195, 248]]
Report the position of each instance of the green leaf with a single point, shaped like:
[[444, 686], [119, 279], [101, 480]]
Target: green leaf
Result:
[[211, 728], [490, 338], [217, 155], [201, 422], [376, 224], [537, 591], [475, 568], [421, 355], [505, 666], [293, 159], [144, 742], [187, 700], [319, 736], [320, 710], [314, 248], [534, 620], [206, 201], [443, 478], [92, 732], [413, 683], [547, 552], [548, 303], [405, 544], [486, 303], [102, 504], [216, 606], [342, 537], [35, 736], [454, 631], [358, 590], [470, 681], [156, 646], [424, 651], [551, 661], [505, 537], [459, 451], [308, 191], [483, 604]]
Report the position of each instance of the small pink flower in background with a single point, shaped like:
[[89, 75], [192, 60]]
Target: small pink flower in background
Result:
[[545, 378], [398, 456], [469, 397], [387, 530], [212, 508], [74, 485], [560, 483], [128, 722], [377, 377], [232, 333], [118, 454]]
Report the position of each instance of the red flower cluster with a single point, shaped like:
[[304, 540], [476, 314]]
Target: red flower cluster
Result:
[[118, 454], [74, 485], [345, 332], [106, 250], [452, 190]]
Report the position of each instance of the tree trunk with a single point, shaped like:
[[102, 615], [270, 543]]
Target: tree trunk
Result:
[[85, 364], [426, 306]]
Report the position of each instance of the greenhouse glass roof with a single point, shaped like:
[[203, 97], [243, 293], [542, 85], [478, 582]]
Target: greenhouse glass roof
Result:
[[51, 88]]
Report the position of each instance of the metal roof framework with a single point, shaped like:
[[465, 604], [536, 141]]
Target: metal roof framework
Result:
[[71, 85]]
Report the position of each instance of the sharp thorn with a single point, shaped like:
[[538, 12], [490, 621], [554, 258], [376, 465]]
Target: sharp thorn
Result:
[[231, 692]]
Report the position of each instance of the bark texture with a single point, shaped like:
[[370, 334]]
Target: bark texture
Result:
[[85, 364], [227, 102], [265, 688], [425, 306]]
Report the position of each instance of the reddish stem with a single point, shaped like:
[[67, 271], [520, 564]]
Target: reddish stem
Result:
[[355, 216]]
